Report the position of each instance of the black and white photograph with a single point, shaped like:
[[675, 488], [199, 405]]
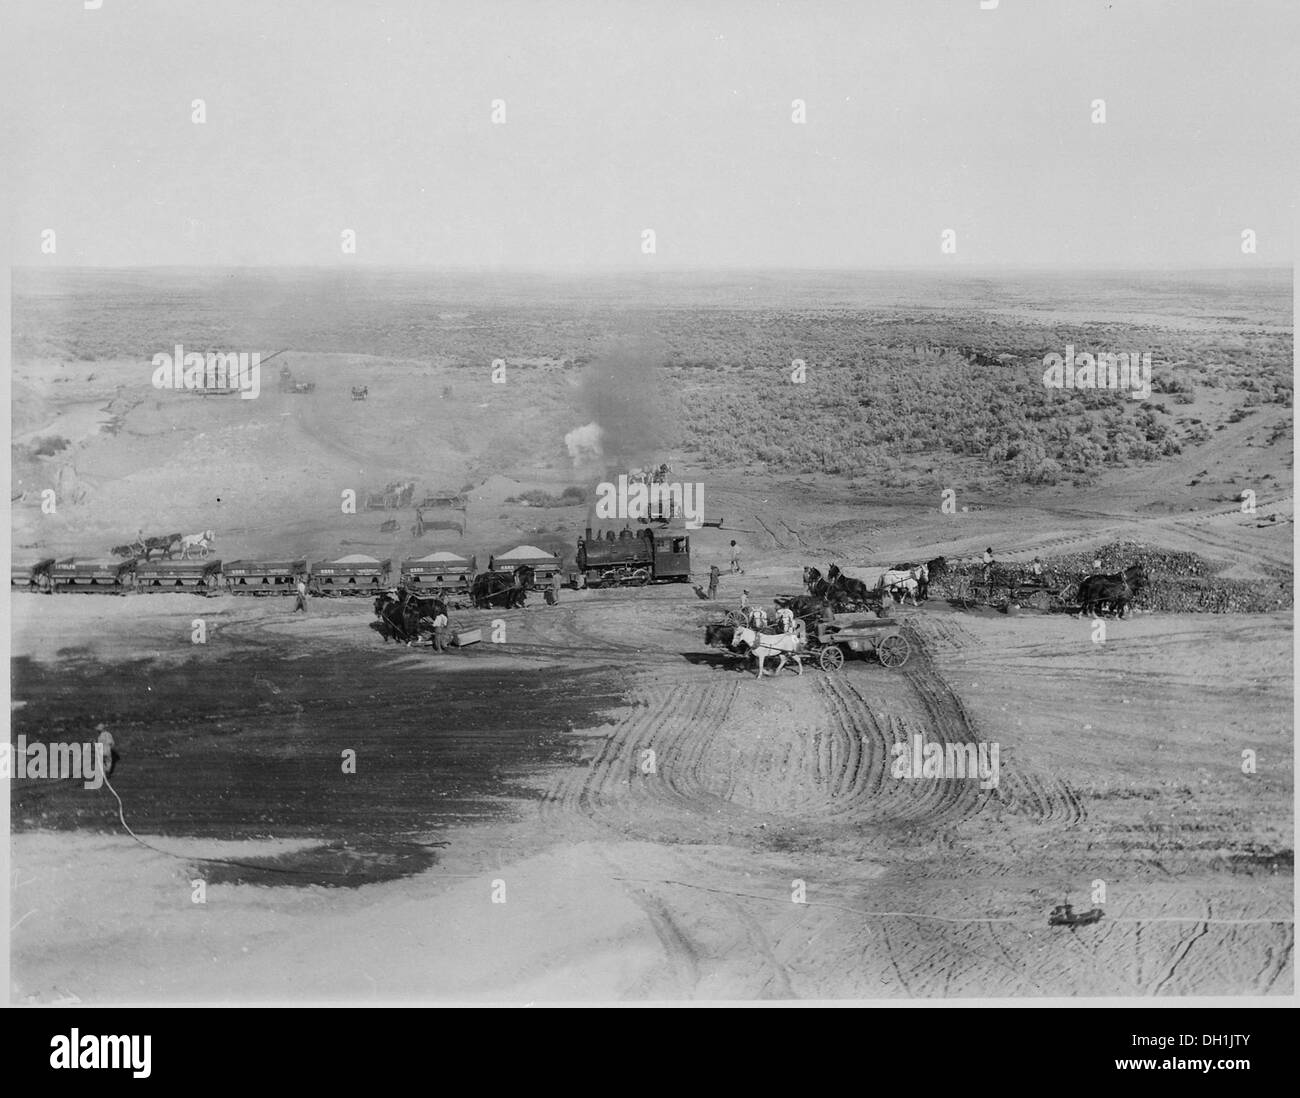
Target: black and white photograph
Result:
[[661, 502]]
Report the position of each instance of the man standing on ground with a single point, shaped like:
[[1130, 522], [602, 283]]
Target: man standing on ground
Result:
[[735, 559], [301, 604], [713, 582], [440, 633]]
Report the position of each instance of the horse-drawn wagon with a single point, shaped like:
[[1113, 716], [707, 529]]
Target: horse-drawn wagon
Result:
[[444, 498], [876, 587], [999, 588], [829, 639], [834, 640], [396, 496]]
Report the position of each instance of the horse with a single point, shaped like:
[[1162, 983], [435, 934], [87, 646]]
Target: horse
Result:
[[402, 613], [806, 606], [818, 586], [427, 607], [906, 581], [719, 632], [1118, 590], [853, 590], [930, 569], [493, 589], [808, 611], [397, 618], [123, 550], [167, 544], [786, 646], [202, 542]]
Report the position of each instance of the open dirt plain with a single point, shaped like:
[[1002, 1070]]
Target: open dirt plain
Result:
[[1119, 762], [601, 806]]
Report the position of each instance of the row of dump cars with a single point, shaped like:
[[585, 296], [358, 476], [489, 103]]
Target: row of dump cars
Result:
[[352, 575]]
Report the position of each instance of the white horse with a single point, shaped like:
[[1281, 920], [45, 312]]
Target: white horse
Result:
[[786, 646], [902, 584], [202, 542]]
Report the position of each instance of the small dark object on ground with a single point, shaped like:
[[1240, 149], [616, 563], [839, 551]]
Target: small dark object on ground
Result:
[[1064, 915]]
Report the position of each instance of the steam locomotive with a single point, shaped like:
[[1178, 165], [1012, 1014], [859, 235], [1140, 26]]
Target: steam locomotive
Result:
[[635, 558]]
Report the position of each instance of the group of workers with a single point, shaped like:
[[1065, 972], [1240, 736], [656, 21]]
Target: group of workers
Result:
[[1035, 567]]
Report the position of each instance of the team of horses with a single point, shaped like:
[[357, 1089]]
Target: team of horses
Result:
[[910, 580], [785, 646], [404, 615], [495, 589], [1111, 593], [167, 545]]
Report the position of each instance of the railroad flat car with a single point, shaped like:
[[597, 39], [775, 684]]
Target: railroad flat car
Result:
[[264, 577], [31, 577], [194, 577], [97, 577], [439, 573], [545, 566], [351, 575]]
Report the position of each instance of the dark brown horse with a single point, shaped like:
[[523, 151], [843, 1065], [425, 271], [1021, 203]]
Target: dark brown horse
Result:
[[846, 587], [818, 586], [492, 589], [403, 615], [809, 609], [398, 620], [1116, 590]]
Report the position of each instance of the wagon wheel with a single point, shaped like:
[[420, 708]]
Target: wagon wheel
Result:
[[1068, 597], [737, 618], [831, 658], [893, 650], [1040, 599]]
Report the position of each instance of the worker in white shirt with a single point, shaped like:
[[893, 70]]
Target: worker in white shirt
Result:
[[440, 633]]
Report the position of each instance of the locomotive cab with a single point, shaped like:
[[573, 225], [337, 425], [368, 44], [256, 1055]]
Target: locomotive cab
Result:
[[672, 555]]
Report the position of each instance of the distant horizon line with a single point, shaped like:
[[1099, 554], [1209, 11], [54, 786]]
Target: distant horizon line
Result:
[[660, 269]]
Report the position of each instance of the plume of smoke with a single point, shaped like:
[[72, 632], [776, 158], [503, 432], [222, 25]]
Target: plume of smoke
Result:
[[584, 445], [624, 391]]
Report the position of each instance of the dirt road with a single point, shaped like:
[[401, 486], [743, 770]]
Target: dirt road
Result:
[[628, 814]]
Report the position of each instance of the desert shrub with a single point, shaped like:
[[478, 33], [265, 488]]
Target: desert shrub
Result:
[[47, 445], [536, 497]]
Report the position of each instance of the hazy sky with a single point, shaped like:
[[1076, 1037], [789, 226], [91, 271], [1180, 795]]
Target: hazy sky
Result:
[[922, 115]]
